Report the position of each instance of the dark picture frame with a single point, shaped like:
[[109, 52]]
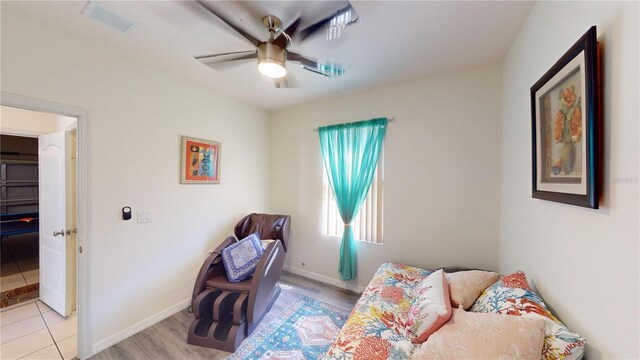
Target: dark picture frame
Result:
[[565, 127]]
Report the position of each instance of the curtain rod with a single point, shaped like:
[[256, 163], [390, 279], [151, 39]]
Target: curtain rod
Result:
[[388, 120]]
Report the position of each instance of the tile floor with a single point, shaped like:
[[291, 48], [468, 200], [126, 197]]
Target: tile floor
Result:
[[34, 331], [19, 261]]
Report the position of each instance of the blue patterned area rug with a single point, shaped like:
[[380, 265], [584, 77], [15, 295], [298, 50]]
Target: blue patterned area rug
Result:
[[304, 330]]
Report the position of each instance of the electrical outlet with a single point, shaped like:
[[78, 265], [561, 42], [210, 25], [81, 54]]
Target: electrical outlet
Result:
[[145, 216]]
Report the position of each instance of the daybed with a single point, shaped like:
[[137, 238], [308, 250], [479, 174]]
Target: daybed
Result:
[[382, 323]]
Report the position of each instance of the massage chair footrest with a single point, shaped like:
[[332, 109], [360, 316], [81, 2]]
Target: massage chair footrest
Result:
[[220, 320]]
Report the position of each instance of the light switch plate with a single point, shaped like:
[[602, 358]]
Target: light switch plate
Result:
[[145, 216]]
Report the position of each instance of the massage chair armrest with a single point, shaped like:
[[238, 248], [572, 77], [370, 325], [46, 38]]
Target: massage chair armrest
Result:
[[265, 278], [208, 268]]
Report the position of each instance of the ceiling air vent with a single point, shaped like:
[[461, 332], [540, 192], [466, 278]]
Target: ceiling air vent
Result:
[[97, 12]]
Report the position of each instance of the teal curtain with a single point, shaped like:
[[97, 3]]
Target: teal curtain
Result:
[[350, 152]]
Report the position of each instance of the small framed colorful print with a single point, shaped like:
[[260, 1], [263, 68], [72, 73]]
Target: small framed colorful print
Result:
[[200, 161], [565, 122]]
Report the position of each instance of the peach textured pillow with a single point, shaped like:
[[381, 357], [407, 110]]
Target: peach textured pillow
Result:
[[466, 286], [431, 307], [484, 336]]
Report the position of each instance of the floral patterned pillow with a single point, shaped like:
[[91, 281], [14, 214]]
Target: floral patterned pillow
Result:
[[512, 295], [431, 307]]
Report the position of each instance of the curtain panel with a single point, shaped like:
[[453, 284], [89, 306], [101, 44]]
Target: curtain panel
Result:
[[350, 153]]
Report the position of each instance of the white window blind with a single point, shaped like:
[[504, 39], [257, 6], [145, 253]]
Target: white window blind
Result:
[[367, 226]]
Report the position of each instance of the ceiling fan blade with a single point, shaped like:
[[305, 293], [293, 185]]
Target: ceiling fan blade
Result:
[[302, 60], [205, 57], [313, 70], [282, 40], [251, 39], [312, 29], [331, 70], [215, 61], [286, 82]]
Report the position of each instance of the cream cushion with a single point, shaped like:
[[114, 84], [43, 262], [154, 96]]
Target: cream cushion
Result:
[[266, 242], [470, 335], [466, 286]]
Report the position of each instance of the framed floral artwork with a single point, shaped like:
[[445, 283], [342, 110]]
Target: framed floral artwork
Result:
[[565, 122], [200, 161]]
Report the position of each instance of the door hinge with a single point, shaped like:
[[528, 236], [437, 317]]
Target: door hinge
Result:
[[80, 249]]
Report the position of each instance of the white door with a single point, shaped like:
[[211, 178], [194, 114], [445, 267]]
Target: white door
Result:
[[57, 221]]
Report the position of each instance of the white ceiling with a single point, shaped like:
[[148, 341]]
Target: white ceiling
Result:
[[393, 42]]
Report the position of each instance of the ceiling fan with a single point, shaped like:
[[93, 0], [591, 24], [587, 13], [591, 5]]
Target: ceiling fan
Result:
[[273, 55]]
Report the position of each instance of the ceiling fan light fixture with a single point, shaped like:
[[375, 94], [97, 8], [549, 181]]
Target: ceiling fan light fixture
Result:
[[271, 69], [271, 60]]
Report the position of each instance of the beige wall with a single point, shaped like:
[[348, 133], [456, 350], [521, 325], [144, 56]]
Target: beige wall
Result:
[[446, 203], [584, 262], [14, 121], [137, 113], [441, 174]]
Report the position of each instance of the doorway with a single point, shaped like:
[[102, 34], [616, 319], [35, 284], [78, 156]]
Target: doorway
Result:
[[68, 335], [38, 261], [19, 224]]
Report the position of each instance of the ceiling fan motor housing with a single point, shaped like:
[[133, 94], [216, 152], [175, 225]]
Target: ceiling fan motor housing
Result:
[[269, 53]]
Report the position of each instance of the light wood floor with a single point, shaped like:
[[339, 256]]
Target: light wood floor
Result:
[[168, 338]]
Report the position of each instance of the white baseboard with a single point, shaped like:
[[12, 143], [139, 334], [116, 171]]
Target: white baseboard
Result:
[[139, 326], [324, 279]]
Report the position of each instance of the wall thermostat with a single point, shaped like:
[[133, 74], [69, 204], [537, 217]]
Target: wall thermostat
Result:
[[126, 213]]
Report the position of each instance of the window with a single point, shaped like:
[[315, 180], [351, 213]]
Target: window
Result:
[[367, 226]]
